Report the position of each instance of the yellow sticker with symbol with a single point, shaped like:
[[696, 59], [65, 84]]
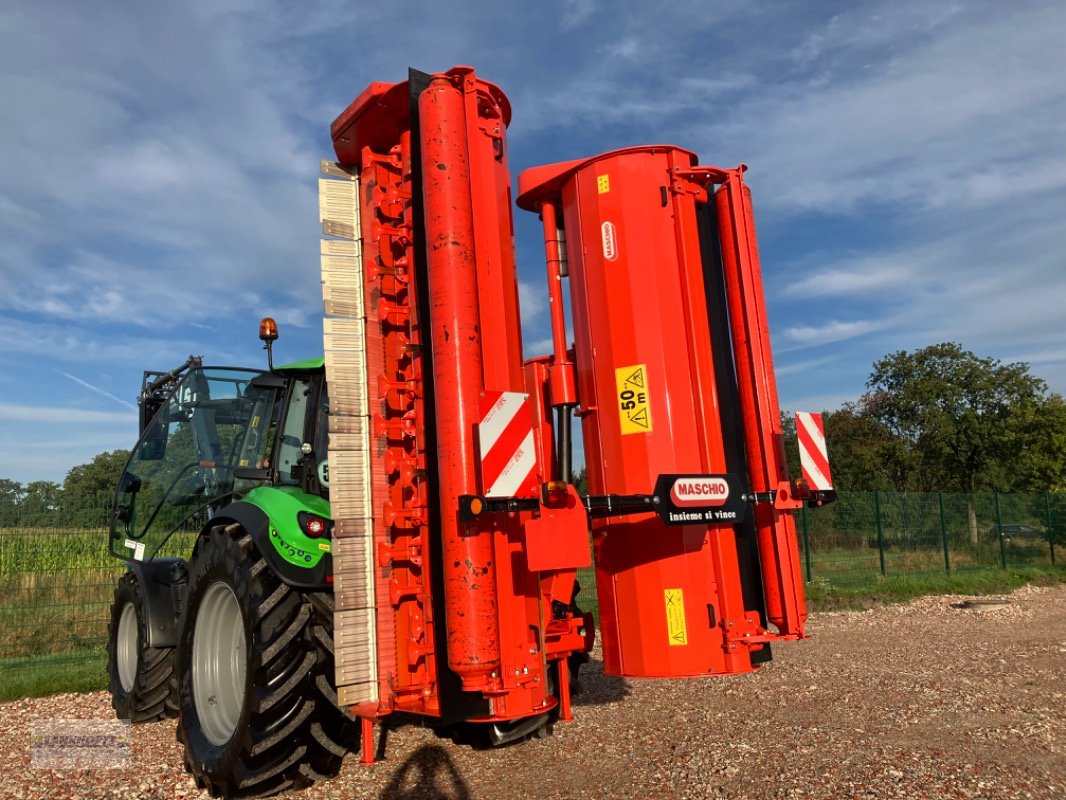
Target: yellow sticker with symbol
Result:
[[603, 184], [675, 617], [634, 412]]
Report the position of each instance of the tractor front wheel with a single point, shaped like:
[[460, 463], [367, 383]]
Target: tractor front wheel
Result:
[[139, 676], [253, 720]]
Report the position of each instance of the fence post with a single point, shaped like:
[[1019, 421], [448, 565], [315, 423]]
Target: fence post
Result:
[[944, 534], [807, 543], [880, 531], [999, 533], [1050, 532]]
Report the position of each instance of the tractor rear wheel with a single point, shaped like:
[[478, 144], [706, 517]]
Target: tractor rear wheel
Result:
[[140, 677], [253, 721]]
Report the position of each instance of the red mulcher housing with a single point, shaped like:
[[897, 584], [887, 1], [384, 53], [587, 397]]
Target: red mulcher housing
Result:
[[476, 531]]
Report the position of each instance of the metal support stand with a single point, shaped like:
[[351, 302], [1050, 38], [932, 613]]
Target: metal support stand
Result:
[[565, 712], [366, 738]]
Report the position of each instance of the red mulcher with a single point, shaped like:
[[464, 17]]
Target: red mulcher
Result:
[[670, 374]]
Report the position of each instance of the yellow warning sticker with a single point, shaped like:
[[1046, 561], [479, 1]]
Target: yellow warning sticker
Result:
[[675, 617], [603, 184], [634, 413]]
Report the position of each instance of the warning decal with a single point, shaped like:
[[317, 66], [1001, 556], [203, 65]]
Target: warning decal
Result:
[[675, 617], [603, 184], [634, 414]]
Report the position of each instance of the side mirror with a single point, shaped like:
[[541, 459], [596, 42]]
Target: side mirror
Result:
[[147, 411], [129, 483]]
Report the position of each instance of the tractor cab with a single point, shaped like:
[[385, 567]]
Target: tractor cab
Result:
[[209, 436]]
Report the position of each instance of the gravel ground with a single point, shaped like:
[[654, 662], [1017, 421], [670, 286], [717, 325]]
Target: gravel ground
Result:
[[923, 700]]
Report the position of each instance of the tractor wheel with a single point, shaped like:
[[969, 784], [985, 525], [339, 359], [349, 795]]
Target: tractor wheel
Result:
[[139, 676], [336, 725], [254, 720]]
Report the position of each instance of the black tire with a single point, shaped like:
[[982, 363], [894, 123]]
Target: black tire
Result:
[[284, 733], [140, 677], [336, 725]]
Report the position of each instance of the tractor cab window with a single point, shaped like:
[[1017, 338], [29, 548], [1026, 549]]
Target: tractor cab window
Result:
[[304, 440], [322, 440], [293, 433], [182, 469]]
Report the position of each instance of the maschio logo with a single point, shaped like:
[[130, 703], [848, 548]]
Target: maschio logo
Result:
[[699, 492], [610, 241]]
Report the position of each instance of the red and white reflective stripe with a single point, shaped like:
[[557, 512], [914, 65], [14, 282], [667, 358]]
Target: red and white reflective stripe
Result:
[[505, 438], [813, 456]]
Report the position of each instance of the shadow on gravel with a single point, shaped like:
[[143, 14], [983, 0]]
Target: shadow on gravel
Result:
[[427, 774], [598, 689]]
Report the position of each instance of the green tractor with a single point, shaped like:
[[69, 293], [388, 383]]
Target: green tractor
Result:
[[224, 617]]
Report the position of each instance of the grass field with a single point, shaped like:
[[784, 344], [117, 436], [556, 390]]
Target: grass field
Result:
[[56, 587]]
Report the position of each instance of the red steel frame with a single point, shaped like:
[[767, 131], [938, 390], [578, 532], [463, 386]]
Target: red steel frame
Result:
[[502, 638], [786, 605], [639, 300]]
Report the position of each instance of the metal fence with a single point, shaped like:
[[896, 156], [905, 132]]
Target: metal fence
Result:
[[56, 585], [56, 577], [867, 534]]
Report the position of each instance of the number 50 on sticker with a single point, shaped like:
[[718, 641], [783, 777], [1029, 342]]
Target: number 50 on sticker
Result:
[[634, 413]]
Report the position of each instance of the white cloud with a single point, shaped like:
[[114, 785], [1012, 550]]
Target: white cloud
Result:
[[533, 300], [55, 415], [833, 331], [625, 48], [576, 12], [538, 347], [810, 366], [861, 276], [923, 120]]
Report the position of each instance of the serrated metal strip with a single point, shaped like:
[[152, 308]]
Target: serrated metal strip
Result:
[[351, 497], [338, 207]]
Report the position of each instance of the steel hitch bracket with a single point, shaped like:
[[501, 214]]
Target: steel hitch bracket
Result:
[[681, 499], [473, 506], [791, 496]]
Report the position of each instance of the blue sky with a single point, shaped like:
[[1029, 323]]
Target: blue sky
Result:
[[158, 165]]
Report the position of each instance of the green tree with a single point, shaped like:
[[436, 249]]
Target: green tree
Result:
[[89, 488], [863, 455], [955, 415], [10, 495], [581, 481], [41, 504], [791, 443], [1041, 462]]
